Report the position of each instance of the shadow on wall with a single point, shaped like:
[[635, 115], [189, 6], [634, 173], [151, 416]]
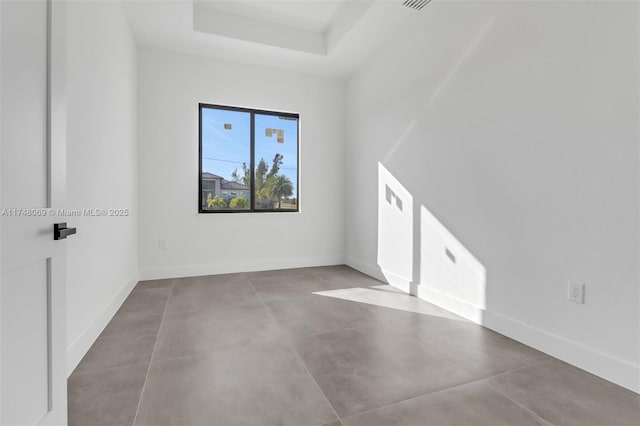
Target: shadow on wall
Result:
[[430, 261], [492, 143]]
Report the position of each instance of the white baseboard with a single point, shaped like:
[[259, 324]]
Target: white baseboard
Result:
[[608, 367], [77, 350], [240, 266], [365, 268], [453, 304], [398, 281], [390, 278]]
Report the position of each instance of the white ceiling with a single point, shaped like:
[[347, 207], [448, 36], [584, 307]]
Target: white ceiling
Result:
[[311, 15], [329, 37]]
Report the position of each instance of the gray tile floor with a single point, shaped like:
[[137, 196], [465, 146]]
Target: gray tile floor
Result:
[[320, 346]]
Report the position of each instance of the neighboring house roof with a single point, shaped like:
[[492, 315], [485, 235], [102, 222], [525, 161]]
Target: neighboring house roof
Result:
[[225, 184], [232, 185], [207, 175]]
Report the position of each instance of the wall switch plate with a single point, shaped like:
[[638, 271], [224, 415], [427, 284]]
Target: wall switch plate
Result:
[[576, 292], [161, 244]]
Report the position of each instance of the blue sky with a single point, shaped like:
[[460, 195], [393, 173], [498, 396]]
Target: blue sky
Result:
[[225, 150]]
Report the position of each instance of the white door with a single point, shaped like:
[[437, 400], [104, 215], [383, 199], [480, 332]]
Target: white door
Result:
[[32, 170]]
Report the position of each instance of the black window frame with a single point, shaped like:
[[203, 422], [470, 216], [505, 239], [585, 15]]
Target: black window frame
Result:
[[252, 112]]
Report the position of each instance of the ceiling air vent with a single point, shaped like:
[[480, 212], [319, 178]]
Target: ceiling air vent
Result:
[[416, 4]]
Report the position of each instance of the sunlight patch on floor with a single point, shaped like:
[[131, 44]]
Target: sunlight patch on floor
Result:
[[386, 296]]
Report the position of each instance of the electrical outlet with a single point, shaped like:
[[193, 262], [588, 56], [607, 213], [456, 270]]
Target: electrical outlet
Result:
[[576, 292]]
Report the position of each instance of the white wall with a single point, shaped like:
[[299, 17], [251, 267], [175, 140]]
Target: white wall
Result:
[[101, 158], [170, 86], [515, 126]]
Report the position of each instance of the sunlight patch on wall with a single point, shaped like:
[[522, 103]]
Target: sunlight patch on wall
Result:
[[446, 265], [395, 230]]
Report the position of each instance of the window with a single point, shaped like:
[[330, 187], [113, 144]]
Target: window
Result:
[[248, 160]]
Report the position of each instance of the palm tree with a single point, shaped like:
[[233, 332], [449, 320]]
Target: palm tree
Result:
[[280, 187]]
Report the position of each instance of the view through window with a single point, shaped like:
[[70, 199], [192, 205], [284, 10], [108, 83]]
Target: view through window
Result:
[[248, 160]]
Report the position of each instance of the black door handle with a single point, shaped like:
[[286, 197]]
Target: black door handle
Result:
[[60, 231]]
